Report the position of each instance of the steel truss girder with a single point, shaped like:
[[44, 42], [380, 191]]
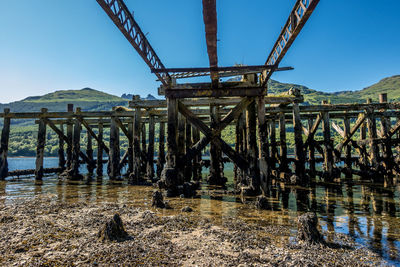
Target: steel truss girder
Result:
[[298, 17], [123, 19]]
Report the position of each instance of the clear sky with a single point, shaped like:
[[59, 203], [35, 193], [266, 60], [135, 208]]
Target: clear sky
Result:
[[48, 45]]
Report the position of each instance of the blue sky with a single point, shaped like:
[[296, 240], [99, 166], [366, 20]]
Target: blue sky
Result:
[[48, 45]]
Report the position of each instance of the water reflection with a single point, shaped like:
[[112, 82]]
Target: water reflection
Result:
[[365, 211]]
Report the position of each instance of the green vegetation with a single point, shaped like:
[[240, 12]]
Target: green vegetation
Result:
[[23, 132]]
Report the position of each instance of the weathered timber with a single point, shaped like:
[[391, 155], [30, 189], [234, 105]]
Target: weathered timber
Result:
[[196, 158], [5, 137], [328, 148], [135, 177], [130, 148], [70, 129], [272, 138], [93, 134], [150, 150], [216, 176], [253, 171], [41, 142], [61, 156], [143, 152], [100, 149], [161, 149], [311, 149], [114, 154], [263, 153], [372, 134], [283, 166], [347, 161], [89, 153], [299, 166], [188, 144]]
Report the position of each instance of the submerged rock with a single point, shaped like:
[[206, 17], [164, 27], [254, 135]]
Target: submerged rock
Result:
[[187, 209], [307, 230], [113, 230], [158, 200]]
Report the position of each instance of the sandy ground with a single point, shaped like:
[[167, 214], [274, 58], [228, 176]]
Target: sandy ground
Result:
[[42, 232]]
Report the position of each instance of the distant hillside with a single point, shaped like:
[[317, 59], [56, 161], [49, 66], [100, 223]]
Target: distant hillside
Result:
[[88, 99], [390, 85]]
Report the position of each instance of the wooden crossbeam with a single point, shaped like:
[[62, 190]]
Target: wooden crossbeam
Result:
[[338, 129], [93, 134], [66, 140], [353, 130], [312, 131], [123, 128], [210, 136]]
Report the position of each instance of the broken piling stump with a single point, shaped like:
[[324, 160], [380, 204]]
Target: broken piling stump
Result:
[[307, 230], [113, 230]]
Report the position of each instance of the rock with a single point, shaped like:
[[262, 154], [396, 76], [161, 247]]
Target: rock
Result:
[[187, 209], [307, 230], [113, 230], [294, 179], [262, 203], [158, 200]]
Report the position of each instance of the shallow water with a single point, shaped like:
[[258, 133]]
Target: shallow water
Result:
[[367, 212]]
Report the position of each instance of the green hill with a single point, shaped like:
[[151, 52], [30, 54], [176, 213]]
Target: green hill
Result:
[[390, 85], [87, 99]]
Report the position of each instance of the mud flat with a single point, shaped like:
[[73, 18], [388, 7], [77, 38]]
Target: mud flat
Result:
[[43, 231]]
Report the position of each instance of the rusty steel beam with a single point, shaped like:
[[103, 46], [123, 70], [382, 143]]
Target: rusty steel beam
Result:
[[210, 22], [301, 12], [123, 19]]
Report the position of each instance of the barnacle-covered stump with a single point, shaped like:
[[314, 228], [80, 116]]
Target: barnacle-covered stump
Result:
[[158, 200], [307, 230], [113, 230]]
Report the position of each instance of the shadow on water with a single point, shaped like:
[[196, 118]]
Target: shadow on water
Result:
[[365, 211]]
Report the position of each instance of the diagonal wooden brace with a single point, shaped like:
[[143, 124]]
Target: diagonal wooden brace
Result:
[[92, 133]]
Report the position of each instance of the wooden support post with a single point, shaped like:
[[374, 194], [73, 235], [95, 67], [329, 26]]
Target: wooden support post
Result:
[[5, 137], [70, 130], [161, 149], [283, 148], [387, 145], [253, 171], [188, 145], [328, 147], [311, 150], [61, 156], [263, 145], [347, 161], [197, 159], [150, 151], [89, 153], [243, 145], [99, 170], [143, 135], [76, 147], [41, 142], [130, 148], [114, 171], [374, 150], [135, 176], [298, 147], [274, 149], [363, 160], [169, 176], [216, 176]]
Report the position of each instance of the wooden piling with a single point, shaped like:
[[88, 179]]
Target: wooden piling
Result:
[[253, 170], [299, 166], [372, 135], [114, 156], [76, 147], [188, 145], [61, 156], [282, 138], [216, 176], [99, 164], [41, 142], [387, 153], [130, 148], [161, 149], [347, 152], [5, 137], [263, 145], [197, 158], [311, 151], [143, 135], [70, 129], [150, 151], [328, 148], [89, 153], [135, 176], [272, 138]]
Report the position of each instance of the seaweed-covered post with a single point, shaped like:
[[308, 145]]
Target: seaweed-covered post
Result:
[[311, 150], [41, 142], [5, 137], [371, 125], [70, 130], [282, 137], [181, 145], [363, 160], [347, 160], [272, 137], [134, 177], [150, 149], [99, 170], [216, 176], [328, 149], [387, 145], [114, 155], [169, 176], [130, 148], [143, 136], [263, 143], [253, 170], [197, 158], [298, 147], [89, 153], [188, 145], [161, 149], [61, 157], [76, 148]]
